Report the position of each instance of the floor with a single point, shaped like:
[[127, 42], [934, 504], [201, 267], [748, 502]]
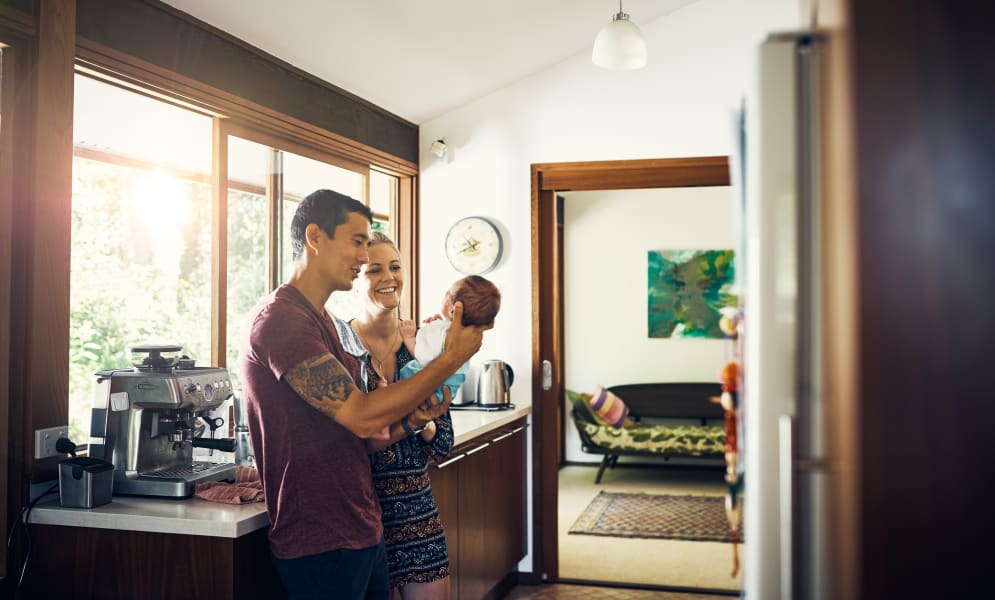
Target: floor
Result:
[[703, 566]]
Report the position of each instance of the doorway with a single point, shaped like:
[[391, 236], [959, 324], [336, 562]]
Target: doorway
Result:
[[548, 304]]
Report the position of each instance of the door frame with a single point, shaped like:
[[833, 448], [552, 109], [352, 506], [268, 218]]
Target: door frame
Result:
[[547, 308]]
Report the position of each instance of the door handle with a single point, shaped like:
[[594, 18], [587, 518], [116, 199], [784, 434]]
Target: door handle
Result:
[[547, 375]]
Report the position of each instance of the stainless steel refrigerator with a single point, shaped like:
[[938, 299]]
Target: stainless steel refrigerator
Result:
[[782, 410]]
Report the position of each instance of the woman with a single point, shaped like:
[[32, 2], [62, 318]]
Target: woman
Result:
[[416, 547]]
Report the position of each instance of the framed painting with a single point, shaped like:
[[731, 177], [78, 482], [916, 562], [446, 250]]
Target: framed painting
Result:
[[687, 290]]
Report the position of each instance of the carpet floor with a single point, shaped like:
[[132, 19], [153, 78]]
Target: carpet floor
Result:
[[657, 562], [660, 516]]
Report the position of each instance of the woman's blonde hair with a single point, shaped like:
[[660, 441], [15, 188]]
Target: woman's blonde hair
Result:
[[379, 237]]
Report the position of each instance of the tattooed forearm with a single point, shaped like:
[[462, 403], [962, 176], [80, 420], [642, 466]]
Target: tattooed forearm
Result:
[[323, 382]]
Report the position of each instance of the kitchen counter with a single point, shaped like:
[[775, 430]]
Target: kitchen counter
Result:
[[470, 424], [194, 516]]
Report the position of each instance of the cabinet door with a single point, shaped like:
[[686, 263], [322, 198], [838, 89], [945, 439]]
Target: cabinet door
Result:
[[491, 513], [445, 486]]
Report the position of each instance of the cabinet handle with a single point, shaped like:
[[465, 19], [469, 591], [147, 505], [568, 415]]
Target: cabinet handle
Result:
[[501, 437], [517, 429], [450, 461], [478, 448]]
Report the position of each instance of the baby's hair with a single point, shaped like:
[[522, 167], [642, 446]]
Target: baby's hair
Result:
[[481, 299]]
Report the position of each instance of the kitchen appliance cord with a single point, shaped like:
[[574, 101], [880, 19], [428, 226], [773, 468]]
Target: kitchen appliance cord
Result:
[[26, 512]]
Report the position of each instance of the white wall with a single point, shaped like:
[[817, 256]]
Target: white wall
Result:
[[701, 63], [606, 239]]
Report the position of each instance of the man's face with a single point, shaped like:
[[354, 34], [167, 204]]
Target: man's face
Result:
[[341, 257]]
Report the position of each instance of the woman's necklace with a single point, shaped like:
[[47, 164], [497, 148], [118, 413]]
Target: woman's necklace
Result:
[[379, 361]]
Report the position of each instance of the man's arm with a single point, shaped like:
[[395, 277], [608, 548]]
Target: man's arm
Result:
[[325, 384], [421, 418]]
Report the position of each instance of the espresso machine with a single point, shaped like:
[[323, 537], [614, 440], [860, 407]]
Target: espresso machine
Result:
[[147, 420]]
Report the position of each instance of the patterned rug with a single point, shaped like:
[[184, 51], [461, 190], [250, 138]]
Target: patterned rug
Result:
[[697, 518]]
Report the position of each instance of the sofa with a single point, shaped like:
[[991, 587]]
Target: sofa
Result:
[[699, 434]]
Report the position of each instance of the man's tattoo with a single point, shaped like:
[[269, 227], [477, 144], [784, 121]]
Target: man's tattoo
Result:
[[323, 382]]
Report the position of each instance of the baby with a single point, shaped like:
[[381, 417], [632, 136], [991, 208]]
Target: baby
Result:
[[481, 302]]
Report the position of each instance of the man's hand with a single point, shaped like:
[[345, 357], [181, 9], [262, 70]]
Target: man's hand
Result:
[[462, 342]]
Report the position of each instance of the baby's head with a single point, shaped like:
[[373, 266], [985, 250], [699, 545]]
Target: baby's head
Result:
[[481, 300]]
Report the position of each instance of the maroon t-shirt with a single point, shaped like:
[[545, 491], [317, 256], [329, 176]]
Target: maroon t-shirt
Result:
[[315, 473]]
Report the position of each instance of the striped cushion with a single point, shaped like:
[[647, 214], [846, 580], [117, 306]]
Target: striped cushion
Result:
[[608, 407]]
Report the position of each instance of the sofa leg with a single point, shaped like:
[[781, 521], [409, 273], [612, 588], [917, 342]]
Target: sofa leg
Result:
[[601, 470]]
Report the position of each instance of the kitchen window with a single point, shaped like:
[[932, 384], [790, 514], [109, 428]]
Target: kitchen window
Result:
[[147, 235]]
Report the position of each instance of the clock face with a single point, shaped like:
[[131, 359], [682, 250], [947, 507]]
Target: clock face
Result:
[[473, 245]]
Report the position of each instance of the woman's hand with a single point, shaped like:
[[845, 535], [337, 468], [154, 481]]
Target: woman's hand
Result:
[[429, 410], [435, 317], [408, 328]]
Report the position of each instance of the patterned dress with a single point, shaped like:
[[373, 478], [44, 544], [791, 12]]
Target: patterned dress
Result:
[[416, 546]]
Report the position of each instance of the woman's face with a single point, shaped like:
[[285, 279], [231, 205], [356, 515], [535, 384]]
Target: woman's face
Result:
[[381, 280]]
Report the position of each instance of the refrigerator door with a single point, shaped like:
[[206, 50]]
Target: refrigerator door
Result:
[[782, 413]]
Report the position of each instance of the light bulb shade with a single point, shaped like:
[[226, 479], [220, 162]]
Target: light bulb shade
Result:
[[620, 45]]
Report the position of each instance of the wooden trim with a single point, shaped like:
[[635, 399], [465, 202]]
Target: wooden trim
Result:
[[635, 174], [16, 21], [8, 84], [548, 307], [407, 242], [841, 294], [48, 232], [148, 31], [274, 200], [219, 245], [284, 141]]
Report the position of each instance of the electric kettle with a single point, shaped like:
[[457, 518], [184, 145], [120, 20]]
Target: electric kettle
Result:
[[494, 383]]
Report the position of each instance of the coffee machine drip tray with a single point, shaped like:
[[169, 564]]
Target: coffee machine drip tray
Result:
[[175, 482]]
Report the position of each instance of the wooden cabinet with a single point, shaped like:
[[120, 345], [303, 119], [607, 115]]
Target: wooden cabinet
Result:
[[481, 493], [83, 562]]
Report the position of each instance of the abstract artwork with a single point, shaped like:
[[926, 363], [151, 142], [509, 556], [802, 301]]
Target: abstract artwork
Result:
[[687, 291]]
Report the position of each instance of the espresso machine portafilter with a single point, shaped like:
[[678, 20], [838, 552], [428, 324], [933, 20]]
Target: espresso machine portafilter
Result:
[[145, 421]]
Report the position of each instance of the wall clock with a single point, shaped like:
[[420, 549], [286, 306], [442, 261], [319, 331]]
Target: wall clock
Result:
[[473, 245]]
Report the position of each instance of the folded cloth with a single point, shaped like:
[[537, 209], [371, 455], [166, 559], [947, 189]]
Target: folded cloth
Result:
[[247, 488]]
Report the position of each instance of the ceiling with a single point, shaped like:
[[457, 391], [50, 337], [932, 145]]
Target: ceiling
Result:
[[421, 58]]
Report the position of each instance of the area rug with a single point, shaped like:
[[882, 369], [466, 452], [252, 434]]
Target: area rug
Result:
[[696, 518]]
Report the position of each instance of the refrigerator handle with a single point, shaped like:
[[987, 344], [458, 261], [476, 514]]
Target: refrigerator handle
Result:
[[786, 498]]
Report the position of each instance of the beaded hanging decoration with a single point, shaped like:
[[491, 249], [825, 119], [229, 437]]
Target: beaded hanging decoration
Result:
[[731, 379]]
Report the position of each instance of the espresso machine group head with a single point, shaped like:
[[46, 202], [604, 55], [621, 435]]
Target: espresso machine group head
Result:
[[147, 420]]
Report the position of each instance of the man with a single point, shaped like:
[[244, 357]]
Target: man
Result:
[[308, 419]]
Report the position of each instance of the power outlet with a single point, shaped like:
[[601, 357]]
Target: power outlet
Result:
[[45, 441]]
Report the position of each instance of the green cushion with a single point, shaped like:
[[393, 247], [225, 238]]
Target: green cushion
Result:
[[680, 440]]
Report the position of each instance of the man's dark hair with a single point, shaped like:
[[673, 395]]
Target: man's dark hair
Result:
[[326, 209]]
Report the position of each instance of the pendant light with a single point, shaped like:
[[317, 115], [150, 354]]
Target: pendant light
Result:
[[620, 44]]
